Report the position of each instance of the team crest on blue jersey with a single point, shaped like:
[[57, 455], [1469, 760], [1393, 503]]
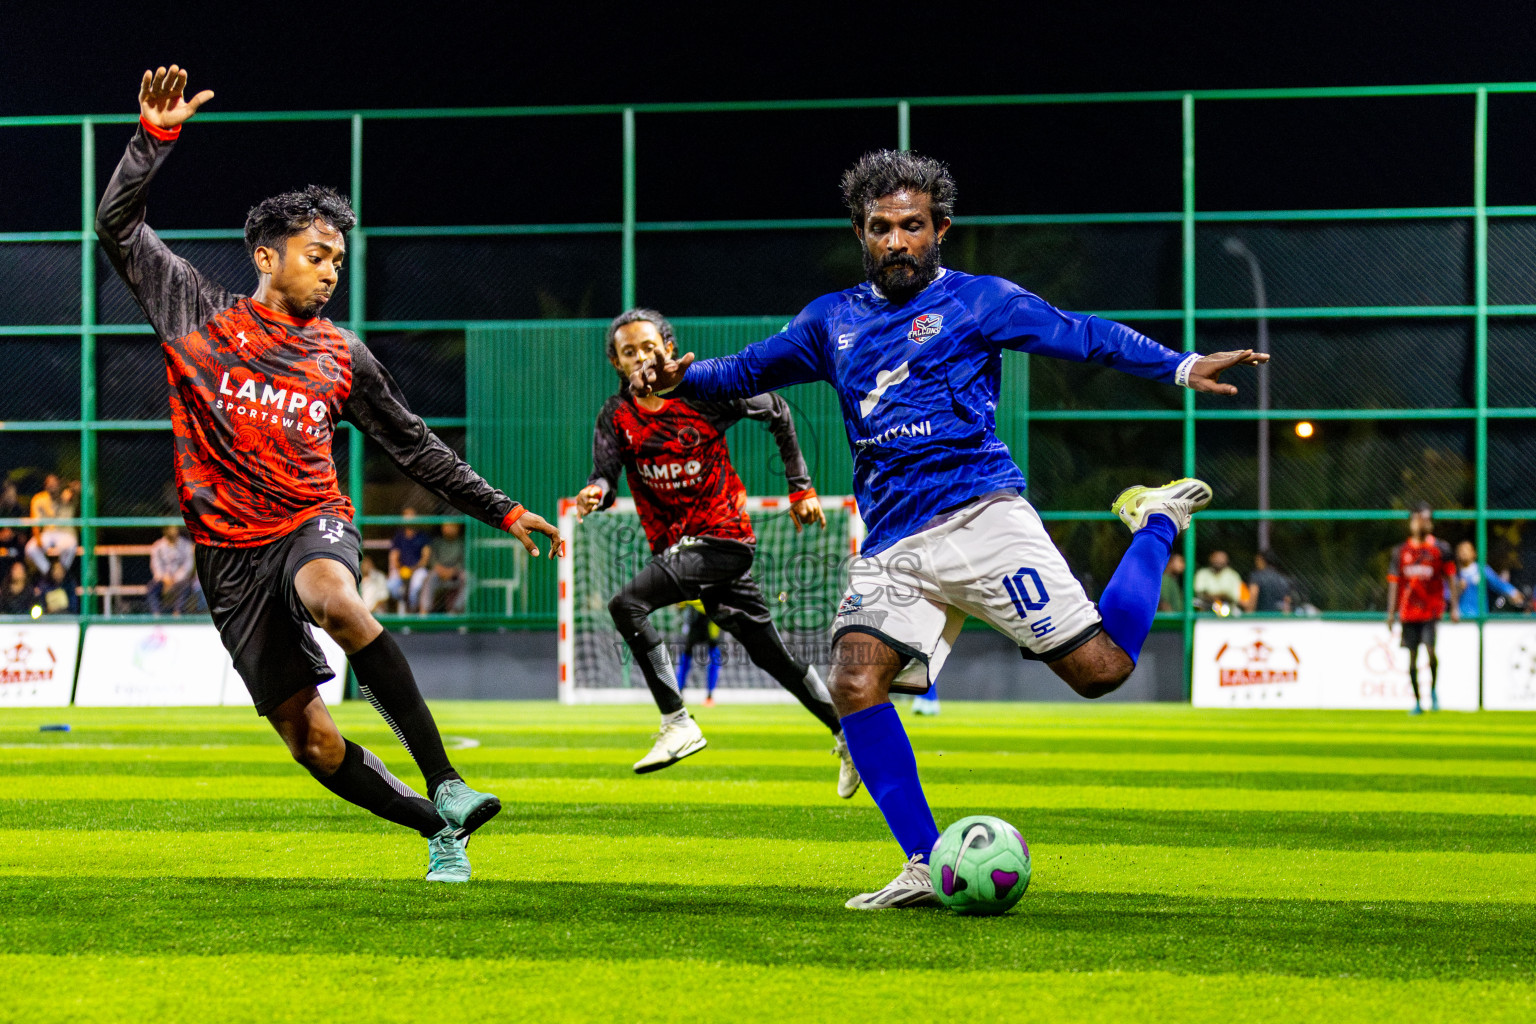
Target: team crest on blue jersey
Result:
[[925, 327]]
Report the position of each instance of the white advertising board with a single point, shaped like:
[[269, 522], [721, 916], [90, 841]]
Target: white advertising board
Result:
[[37, 665], [151, 666], [1305, 663], [236, 695], [1509, 665]]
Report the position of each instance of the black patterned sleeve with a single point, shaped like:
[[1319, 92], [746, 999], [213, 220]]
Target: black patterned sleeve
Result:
[[175, 298]]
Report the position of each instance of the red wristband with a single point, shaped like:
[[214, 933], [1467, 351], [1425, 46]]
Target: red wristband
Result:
[[163, 134], [512, 517], [809, 492]]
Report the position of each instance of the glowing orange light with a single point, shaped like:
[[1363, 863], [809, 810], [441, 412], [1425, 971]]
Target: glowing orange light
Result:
[[1304, 429]]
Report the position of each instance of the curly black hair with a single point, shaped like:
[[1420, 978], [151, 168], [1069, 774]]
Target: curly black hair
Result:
[[887, 171], [636, 315], [274, 220]]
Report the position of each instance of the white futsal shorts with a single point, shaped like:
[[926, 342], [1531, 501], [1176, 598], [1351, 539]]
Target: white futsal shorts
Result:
[[992, 559]]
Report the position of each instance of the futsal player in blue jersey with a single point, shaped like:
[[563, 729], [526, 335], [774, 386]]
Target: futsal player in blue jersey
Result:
[[915, 353]]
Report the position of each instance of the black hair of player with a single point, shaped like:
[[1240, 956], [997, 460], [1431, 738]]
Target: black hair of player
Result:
[[885, 172], [278, 218], [634, 316], [1422, 508]]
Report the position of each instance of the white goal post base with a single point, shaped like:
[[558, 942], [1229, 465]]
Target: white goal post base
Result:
[[802, 575]]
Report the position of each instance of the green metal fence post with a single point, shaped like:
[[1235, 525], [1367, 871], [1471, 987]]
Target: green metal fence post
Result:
[[357, 312], [1480, 343], [87, 496], [903, 125], [627, 269], [357, 269], [1188, 250]]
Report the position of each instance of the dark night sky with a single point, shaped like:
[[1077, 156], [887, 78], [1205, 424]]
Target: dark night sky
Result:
[[85, 58]]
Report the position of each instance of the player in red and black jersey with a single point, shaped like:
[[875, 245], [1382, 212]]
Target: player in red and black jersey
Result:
[[1421, 569], [257, 386], [693, 507]]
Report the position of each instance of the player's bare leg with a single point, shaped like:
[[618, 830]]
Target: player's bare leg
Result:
[[357, 776], [862, 671], [329, 592]]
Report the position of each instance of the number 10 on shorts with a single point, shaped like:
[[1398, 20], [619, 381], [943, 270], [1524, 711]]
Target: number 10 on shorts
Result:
[[1028, 594]]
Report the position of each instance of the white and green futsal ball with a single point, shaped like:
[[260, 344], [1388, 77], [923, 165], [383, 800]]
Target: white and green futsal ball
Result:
[[980, 865]]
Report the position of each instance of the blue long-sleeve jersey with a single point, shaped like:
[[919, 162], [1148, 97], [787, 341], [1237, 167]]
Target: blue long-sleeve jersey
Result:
[[918, 384]]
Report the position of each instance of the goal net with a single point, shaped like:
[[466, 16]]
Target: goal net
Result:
[[802, 577]]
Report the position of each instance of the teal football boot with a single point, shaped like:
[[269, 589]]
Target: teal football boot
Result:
[[464, 808], [446, 859]]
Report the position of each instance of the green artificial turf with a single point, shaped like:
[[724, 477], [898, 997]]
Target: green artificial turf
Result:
[[167, 865]]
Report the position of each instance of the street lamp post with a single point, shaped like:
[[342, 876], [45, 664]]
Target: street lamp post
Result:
[[1237, 247]]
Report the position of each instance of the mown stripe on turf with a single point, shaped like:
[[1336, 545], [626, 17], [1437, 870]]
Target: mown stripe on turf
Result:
[[766, 925], [35, 759], [532, 858], [388, 990], [852, 821], [679, 788]]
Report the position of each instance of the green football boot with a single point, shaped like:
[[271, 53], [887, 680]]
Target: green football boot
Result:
[[446, 859], [464, 808]]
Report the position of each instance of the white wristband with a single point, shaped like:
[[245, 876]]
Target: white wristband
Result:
[[1181, 375]]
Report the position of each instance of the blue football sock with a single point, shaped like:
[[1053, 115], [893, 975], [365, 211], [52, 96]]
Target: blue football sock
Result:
[[883, 756], [684, 663], [1129, 602], [715, 659]]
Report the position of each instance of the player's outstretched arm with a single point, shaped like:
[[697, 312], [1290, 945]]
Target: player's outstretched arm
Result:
[[376, 405], [175, 296], [607, 462], [773, 412], [793, 356]]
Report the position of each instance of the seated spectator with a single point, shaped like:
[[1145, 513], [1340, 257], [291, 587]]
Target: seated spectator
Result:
[[374, 585], [1218, 585], [52, 543], [17, 595], [173, 583], [1473, 576], [410, 553], [446, 579], [1269, 589], [10, 503], [1172, 597], [56, 592], [12, 550]]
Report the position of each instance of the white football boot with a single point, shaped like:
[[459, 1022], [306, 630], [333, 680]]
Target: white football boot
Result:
[[912, 888], [848, 781], [925, 705], [1178, 500], [675, 741]]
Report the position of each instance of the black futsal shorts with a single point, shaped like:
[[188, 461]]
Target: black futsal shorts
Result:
[[1416, 633], [715, 572], [264, 625]]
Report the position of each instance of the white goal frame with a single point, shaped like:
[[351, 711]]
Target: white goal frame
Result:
[[570, 529]]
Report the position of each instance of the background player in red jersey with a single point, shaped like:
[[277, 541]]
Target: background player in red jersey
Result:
[[692, 505], [1421, 569], [257, 386]]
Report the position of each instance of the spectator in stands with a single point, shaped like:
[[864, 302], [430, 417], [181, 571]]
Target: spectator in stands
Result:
[[12, 550], [52, 543], [173, 583], [1172, 599], [17, 596], [1269, 589], [56, 593], [373, 588], [446, 579], [10, 504], [1472, 576], [410, 553], [1218, 586]]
